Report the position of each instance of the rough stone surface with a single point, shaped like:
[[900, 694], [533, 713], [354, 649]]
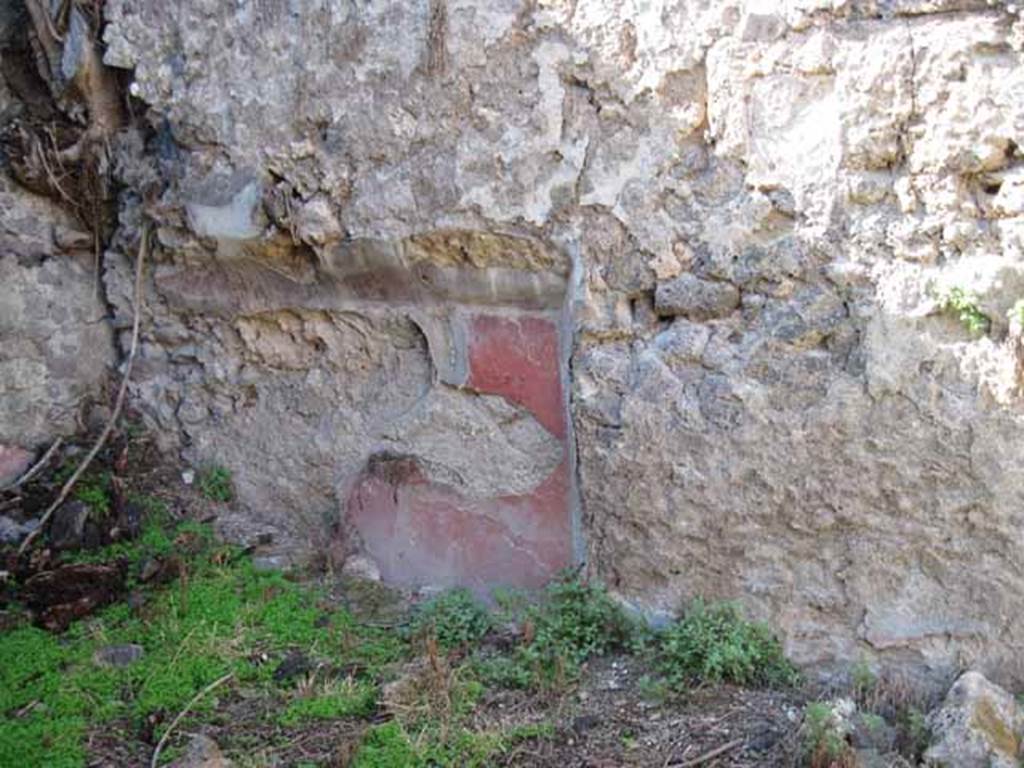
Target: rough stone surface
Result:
[[739, 218], [14, 462], [11, 531], [979, 725], [202, 752], [695, 298], [361, 567], [817, 438], [55, 348], [67, 526], [118, 655]]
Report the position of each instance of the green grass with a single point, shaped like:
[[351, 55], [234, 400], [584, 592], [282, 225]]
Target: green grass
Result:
[[215, 483], [215, 621], [96, 497], [391, 746], [223, 616], [432, 727], [153, 541], [44, 719], [345, 699], [386, 746], [92, 488]]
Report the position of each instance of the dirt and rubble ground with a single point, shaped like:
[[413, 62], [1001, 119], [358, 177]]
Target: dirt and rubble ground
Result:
[[594, 726]]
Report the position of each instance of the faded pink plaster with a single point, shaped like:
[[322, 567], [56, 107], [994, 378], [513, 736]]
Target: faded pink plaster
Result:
[[14, 461], [421, 532]]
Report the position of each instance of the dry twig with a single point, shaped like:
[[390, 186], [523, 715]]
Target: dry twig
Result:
[[185, 711], [716, 752], [118, 403]]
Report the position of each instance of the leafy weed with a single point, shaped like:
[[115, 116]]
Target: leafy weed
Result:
[[714, 643]]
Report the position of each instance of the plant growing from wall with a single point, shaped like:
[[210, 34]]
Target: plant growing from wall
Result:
[[964, 304], [863, 679], [1017, 312]]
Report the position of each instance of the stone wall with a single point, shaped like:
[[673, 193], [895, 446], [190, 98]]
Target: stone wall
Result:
[[398, 398], [659, 281], [56, 347]]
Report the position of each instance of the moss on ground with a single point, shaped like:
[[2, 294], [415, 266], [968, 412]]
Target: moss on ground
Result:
[[346, 699], [222, 616]]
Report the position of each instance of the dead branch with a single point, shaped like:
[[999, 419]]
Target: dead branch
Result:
[[701, 759], [185, 711], [118, 403]]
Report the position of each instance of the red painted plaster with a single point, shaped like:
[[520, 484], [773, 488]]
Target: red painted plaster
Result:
[[421, 532], [518, 358]]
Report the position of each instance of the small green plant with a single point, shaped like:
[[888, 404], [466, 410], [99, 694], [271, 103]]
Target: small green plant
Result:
[[511, 604], [95, 497], [505, 671], [714, 643], [824, 744], [863, 679], [347, 698], [965, 305], [454, 617], [628, 739], [578, 620], [386, 746], [1017, 312], [912, 732], [215, 484], [874, 723], [574, 621], [654, 689]]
